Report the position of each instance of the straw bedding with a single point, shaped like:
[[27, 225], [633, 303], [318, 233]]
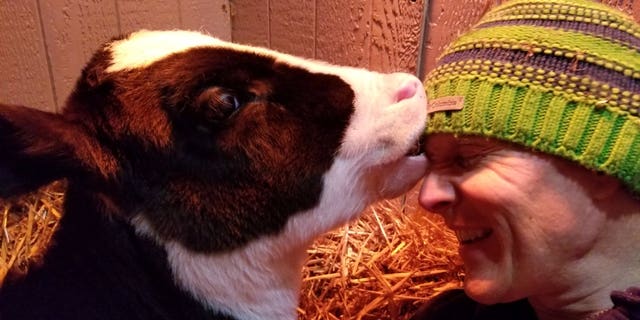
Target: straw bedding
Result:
[[382, 266]]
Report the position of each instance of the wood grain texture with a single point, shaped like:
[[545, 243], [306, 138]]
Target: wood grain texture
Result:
[[141, 14], [23, 57], [293, 26], [631, 7], [380, 35], [395, 35], [46, 43], [210, 16], [73, 31], [250, 21], [635, 10], [344, 32], [447, 20], [624, 5]]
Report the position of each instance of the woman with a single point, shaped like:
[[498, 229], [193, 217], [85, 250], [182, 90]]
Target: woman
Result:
[[534, 149]]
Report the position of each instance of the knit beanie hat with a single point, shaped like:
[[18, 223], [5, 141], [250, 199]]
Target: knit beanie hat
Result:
[[558, 76]]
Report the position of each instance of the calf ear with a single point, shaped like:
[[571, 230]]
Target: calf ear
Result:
[[37, 148]]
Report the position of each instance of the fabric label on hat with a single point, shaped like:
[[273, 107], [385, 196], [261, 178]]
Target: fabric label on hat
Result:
[[445, 104]]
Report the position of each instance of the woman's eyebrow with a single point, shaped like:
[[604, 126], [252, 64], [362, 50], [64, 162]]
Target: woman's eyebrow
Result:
[[480, 145]]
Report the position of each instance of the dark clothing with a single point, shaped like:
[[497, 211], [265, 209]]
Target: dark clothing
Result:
[[626, 305], [456, 305]]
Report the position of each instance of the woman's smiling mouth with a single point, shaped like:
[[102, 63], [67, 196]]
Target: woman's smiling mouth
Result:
[[468, 236]]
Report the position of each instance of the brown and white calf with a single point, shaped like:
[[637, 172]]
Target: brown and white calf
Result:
[[198, 173]]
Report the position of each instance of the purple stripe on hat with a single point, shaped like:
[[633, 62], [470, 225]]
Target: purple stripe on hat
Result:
[[558, 64], [593, 29]]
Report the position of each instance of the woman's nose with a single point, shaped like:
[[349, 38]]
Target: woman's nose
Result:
[[437, 193]]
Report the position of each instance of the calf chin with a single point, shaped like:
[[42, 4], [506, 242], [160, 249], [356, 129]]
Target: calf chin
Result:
[[394, 179]]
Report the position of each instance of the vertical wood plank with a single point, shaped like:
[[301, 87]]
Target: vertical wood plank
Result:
[[141, 14], [23, 57], [250, 20], [73, 31], [210, 16], [631, 7], [293, 26], [447, 20], [344, 32], [635, 10], [395, 35], [623, 5]]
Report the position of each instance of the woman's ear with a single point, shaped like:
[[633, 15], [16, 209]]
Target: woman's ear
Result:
[[37, 148]]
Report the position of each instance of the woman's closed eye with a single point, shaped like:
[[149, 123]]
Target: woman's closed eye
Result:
[[461, 157], [466, 162]]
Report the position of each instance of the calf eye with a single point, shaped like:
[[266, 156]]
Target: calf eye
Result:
[[230, 101], [217, 103]]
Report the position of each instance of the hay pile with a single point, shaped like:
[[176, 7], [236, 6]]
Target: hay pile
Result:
[[27, 226], [382, 266]]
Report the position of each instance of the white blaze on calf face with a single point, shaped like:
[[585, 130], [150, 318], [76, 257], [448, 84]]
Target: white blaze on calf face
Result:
[[143, 48]]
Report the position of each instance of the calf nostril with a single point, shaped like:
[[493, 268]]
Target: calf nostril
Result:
[[407, 89]]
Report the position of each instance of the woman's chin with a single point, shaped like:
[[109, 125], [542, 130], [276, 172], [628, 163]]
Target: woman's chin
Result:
[[485, 291]]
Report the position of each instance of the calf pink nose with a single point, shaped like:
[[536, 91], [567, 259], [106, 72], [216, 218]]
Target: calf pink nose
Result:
[[408, 88]]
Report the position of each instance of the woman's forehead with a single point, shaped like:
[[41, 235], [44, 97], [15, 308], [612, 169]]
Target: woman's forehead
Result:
[[443, 144]]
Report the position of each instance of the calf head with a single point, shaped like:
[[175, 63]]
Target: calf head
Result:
[[232, 158]]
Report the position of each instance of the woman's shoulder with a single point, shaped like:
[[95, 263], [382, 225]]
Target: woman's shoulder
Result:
[[456, 305]]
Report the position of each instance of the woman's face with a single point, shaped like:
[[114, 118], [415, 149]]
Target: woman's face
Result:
[[523, 220]]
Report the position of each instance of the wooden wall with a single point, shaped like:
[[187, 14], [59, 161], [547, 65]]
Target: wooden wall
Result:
[[45, 43], [376, 34], [382, 35]]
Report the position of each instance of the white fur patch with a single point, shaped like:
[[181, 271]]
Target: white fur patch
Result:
[[143, 48], [383, 127], [258, 281]]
